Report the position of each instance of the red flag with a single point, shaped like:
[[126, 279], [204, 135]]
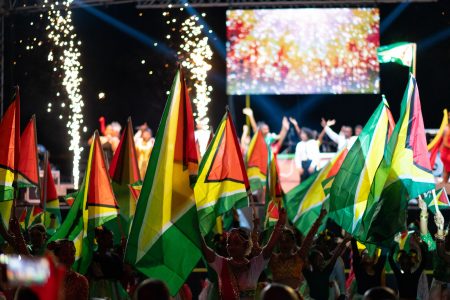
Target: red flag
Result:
[[28, 162]]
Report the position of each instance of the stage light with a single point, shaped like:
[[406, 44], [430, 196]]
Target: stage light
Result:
[[101, 96]]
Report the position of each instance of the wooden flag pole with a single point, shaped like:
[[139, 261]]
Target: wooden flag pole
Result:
[[44, 185]]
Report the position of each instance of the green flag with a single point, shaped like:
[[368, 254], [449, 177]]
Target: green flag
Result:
[[94, 205], [402, 53], [405, 172], [352, 185], [164, 240]]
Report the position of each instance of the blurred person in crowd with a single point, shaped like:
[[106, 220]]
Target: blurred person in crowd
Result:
[[37, 236], [238, 276], [151, 289], [380, 293], [106, 269], [76, 286], [277, 291], [287, 265]]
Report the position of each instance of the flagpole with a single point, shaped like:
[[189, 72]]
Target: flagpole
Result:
[[414, 59], [247, 105], [44, 185]]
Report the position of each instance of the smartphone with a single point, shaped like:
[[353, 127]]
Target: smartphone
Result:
[[20, 270]]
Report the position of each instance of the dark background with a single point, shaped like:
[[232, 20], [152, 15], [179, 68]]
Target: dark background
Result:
[[111, 60]]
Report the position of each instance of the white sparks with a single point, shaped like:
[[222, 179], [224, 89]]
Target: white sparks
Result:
[[197, 57], [61, 34]]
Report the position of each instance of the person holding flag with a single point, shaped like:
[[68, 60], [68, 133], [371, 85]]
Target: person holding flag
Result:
[[441, 261], [238, 275]]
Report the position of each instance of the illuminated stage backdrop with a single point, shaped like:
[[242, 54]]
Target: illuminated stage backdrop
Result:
[[302, 51]]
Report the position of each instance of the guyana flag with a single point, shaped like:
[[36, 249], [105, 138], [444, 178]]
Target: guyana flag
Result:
[[274, 193], [222, 182], [135, 189], [256, 159], [9, 156], [94, 205], [441, 200], [435, 145], [351, 187], [405, 172], [51, 197], [402, 53], [124, 171], [30, 215], [329, 179], [304, 202], [28, 162], [164, 241]]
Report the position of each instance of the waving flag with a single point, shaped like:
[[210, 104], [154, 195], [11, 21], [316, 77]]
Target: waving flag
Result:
[[28, 162], [405, 172], [304, 202], [434, 146], [402, 53], [9, 157], [274, 193], [164, 241], [441, 200], [124, 171], [222, 183], [94, 205], [352, 185], [256, 160]]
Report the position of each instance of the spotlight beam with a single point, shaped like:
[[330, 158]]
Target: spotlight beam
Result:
[[127, 29]]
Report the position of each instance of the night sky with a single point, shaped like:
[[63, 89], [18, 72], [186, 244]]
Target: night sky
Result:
[[112, 58]]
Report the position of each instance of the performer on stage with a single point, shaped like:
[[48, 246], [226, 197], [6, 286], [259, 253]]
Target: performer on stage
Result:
[[307, 154], [144, 143], [343, 139], [275, 141], [445, 153]]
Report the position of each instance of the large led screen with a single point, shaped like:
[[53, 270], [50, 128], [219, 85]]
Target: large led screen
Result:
[[302, 51]]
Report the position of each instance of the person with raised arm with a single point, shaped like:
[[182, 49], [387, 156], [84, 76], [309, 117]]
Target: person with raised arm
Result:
[[318, 272], [343, 139], [238, 275], [441, 259], [275, 141], [287, 265], [307, 154], [407, 279], [368, 273]]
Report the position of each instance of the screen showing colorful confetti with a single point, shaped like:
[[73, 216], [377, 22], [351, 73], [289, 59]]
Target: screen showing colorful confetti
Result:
[[303, 51]]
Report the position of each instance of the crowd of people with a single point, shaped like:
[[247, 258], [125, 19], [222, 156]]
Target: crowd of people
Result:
[[278, 263]]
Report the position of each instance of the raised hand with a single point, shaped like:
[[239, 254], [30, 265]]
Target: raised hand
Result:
[[422, 204], [248, 111], [331, 122], [285, 123], [293, 121], [439, 220]]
